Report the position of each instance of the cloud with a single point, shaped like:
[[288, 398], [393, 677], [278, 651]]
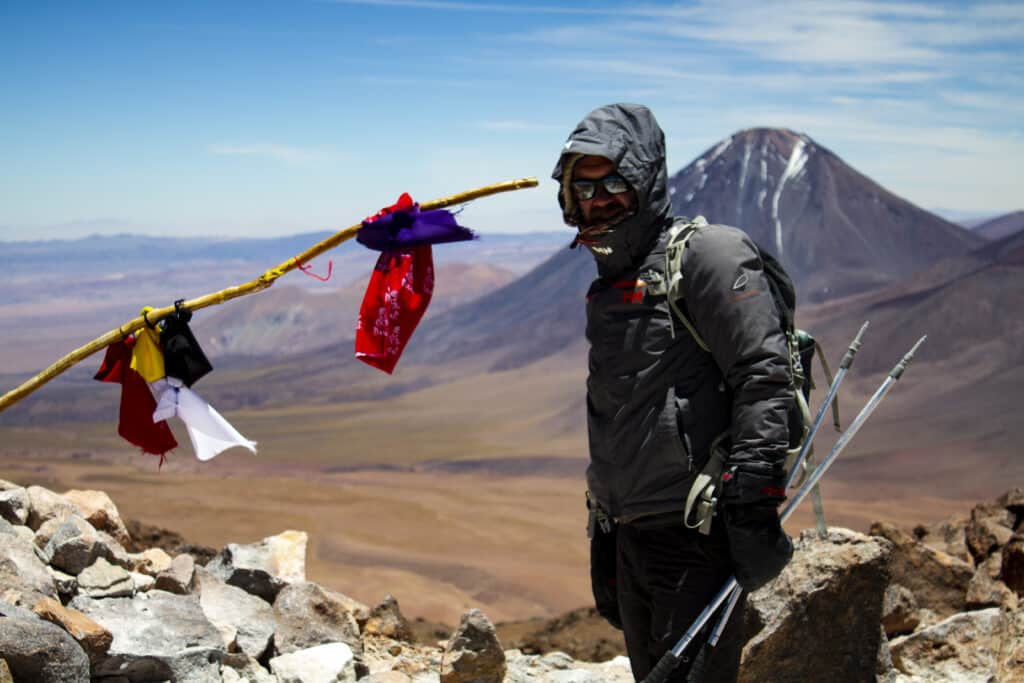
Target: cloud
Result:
[[287, 154]]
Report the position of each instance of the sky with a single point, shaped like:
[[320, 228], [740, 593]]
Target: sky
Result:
[[273, 117]]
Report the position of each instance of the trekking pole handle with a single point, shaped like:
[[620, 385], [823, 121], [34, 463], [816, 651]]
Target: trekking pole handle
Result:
[[897, 371], [666, 665], [847, 360]]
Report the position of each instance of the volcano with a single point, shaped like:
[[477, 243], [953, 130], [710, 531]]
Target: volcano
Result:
[[835, 230]]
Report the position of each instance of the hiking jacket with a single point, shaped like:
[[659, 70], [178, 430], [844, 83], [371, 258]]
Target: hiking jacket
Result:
[[656, 401]]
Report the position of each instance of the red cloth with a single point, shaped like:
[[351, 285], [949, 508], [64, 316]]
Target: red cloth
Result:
[[396, 299], [404, 203], [135, 423]]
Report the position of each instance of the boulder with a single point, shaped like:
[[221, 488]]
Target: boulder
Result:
[[44, 505], [92, 637], [819, 619], [1012, 570], [559, 667], [938, 581], [387, 620], [963, 647], [24, 578], [14, 506], [899, 611], [990, 528], [157, 636], [986, 590], [241, 618], [1013, 500], [307, 615], [97, 508], [241, 668], [104, 580], [5, 672], [263, 568], [151, 561], [949, 536], [473, 653], [8, 485], [328, 663], [178, 577], [143, 582], [67, 585], [1011, 645], [71, 544], [38, 651]]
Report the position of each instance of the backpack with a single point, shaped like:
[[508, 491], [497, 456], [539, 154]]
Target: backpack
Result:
[[800, 344]]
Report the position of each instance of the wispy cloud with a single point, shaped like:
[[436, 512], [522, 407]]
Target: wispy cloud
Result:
[[286, 154]]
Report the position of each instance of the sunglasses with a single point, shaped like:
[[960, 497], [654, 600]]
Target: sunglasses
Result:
[[587, 189]]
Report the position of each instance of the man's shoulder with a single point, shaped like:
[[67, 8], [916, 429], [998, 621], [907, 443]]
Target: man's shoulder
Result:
[[716, 241]]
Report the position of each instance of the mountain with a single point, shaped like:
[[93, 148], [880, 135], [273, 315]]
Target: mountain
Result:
[[836, 231], [1001, 226]]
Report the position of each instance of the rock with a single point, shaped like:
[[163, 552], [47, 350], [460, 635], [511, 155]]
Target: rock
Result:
[[38, 651], [143, 582], [1012, 570], [819, 619], [1013, 500], [899, 611], [963, 648], [321, 664], [97, 509], [473, 653], [151, 561], [1011, 643], [5, 672], [307, 615], [244, 669], [44, 505], [938, 581], [555, 667], [92, 637], [73, 545], [8, 485], [157, 636], [263, 568], [178, 577], [67, 585], [14, 506], [104, 580], [24, 578], [949, 536], [986, 590], [240, 617], [990, 528], [387, 677], [387, 620]]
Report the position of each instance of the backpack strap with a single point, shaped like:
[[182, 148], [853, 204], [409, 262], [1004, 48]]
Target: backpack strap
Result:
[[678, 236]]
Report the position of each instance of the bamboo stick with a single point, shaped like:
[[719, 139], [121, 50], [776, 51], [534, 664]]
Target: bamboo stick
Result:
[[262, 282]]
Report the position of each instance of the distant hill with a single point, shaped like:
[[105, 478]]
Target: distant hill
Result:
[[1001, 226], [836, 231]]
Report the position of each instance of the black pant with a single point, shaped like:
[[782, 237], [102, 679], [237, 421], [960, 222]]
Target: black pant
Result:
[[666, 575]]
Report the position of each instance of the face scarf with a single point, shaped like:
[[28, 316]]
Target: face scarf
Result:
[[402, 282], [135, 422], [210, 433]]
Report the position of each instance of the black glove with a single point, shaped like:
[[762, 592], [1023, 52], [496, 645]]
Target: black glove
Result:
[[603, 532], [759, 548]]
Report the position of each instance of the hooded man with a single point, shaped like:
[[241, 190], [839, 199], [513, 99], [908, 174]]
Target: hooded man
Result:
[[659, 402]]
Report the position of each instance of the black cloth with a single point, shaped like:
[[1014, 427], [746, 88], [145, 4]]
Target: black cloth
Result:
[[667, 574], [183, 357]]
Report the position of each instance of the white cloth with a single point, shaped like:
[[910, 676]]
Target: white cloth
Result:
[[209, 432]]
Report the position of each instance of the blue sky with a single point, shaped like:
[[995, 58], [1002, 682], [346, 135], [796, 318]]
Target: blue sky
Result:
[[272, 117]]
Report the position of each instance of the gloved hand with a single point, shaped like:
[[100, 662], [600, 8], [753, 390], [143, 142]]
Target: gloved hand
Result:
[[759, 548]]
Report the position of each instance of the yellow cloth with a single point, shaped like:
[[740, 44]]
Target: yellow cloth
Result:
[[147, 357]]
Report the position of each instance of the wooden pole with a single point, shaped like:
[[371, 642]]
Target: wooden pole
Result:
[[262, 282]]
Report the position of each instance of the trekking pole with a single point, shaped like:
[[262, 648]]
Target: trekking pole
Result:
[[700, 662], [671, 659]]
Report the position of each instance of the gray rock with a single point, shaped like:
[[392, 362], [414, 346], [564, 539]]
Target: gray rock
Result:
[[938, 581], [157, 636], [386, 620], [67, 585], [8, 485], [963, 647], [97, 508], [44, 504], [986, 590], [899, 611], [990, 528], [5, 672], [329, 663], [23, 576], [240, 617], [1012, 571], [307, 615], [73, 545], [92, 637], [178, 577], [244, 669], [949, 536], [104, 580], [38, 651], [14, 506], [473, 653], [263, 568], [819, 619], [143, 582], [556, 668]]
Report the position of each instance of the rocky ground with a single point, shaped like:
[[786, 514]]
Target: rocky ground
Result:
[[85, 596]]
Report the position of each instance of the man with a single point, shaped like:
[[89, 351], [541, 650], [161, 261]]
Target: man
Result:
[[658, 403]]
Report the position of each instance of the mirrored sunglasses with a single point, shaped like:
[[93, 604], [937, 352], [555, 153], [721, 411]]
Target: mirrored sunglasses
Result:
[[613, 184]]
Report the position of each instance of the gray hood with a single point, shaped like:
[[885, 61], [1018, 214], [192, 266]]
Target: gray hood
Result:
[[631, 138]]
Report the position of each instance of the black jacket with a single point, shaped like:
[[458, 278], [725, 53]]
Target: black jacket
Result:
[[655, 400]]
